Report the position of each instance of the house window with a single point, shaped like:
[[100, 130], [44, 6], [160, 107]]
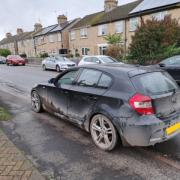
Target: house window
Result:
[[102, 50], [51, 38], [119, 27], [73, 35], [83, 33], [160, 15], [133, 24], [59, 38], [102, 30], [85, 51]]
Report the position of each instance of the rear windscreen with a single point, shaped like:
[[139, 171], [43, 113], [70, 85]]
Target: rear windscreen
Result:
[[154, 83]]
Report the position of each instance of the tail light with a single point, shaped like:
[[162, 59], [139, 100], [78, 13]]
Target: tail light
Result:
[[142, 104]]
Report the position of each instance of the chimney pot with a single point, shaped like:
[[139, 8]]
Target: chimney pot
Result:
[[37, 27], [61, 19], [8, 35], [19, 31], [110, 5]]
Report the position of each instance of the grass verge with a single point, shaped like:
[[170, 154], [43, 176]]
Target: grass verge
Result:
[[4, 114]]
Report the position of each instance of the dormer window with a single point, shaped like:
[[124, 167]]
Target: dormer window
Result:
[[83, 33], [102, 30]]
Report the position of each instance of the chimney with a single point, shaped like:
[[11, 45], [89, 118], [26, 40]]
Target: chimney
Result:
[[8, 35], [109, 5], [37, 27], [19, 31], [61, 19]]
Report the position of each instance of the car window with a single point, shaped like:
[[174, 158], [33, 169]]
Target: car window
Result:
[[88, 59], [68, 78], [172, 61], [107, 59], [154, 83], [95, 60], [89, 77], [105, 81]]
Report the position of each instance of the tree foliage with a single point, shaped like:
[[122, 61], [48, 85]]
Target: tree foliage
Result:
[[113, 39], [155, 40], [5, 52]]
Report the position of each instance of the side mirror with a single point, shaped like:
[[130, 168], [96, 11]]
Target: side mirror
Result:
[[162, 65], [52, 81]]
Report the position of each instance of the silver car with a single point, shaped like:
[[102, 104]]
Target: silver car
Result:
[[2, 60], [97, 60], [57, 63]]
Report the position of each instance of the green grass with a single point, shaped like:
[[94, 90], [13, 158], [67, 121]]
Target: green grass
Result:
[[4, 114]]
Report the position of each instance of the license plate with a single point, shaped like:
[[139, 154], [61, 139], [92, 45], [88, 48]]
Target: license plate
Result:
[[173, 129]]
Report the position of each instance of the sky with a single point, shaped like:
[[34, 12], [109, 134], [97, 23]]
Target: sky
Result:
[[25, 13]]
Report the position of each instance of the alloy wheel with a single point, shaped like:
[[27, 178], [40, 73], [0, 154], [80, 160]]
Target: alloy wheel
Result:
[[35, 102], [103, 133]]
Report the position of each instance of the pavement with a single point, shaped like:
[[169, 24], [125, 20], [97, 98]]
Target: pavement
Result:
[[13, 164], [60, 150]]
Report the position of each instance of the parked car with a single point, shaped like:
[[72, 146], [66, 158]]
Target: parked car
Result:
[[2, 60], [57, 63], [140, 105], [15, 60], [172, 65], [97, 60]]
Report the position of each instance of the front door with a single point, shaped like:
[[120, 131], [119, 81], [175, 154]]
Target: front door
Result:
[[58, 95]]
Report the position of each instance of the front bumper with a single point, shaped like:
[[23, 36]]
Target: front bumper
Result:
[[149, 130]]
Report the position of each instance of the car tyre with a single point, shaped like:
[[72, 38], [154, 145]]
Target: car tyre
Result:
[[36, 102], [103, 133], [58, 69], [44, 67]]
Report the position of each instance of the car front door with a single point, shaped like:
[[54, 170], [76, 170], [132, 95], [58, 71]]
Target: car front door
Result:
[[58, 94], [84, 95]]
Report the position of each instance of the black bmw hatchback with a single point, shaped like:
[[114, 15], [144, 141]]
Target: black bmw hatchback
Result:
[[140, 106]]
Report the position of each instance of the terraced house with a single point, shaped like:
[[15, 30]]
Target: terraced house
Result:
[[87, 36], [22, 42], [54, 39]]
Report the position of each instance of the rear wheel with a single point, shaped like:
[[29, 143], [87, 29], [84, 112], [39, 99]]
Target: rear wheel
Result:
[[58, 69], [103, 133], [36, 102]]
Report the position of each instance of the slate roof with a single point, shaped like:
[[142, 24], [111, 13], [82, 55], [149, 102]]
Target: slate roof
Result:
[[54, 28], [153, 4], [121, 12]]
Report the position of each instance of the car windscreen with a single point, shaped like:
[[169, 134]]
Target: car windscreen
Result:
[[108, 59], [154, 83]]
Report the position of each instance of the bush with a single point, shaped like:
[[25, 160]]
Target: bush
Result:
[[5, 52], [114, 51], [44, 55], [155, 40], [23, 55]]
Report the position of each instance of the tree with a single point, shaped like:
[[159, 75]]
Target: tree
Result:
[[5, 52], [114, 49], [153, 39]]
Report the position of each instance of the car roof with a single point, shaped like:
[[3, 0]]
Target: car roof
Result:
[[98, 56], [119, 69]]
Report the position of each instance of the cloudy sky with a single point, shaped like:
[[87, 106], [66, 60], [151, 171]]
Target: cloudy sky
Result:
[[25, 13]]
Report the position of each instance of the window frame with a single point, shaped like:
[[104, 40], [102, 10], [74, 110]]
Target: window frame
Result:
[[118, 24], [132, 26], [73, 35], [102, 28], [84, 50], [83, 33]]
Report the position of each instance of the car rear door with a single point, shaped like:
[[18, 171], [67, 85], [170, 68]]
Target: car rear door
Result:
[[84, 95]]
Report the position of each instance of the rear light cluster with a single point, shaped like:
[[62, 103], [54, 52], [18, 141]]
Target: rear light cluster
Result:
[[142, 104]]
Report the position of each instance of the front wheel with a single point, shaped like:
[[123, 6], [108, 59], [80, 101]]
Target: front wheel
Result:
[[44, 67], [36, 102], [103, 133], [58, 69]]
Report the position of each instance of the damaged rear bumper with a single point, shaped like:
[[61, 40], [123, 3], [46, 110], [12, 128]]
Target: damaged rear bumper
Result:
[[149, 130]]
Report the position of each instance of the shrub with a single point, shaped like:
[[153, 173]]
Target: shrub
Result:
[[44, 55], [155, 40], [5, 52]]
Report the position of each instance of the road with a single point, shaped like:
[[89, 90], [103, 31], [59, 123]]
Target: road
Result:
[[60, 150]]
